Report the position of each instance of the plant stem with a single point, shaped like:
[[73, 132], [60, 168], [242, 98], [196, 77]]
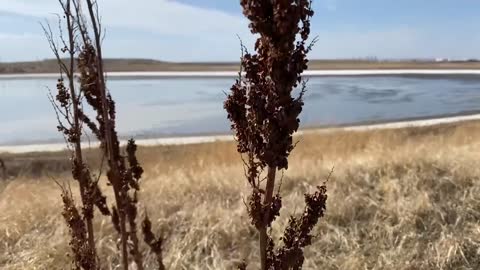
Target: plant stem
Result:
[[108, 137], [267, 204], [78, 147], [123, 229], [4, 169]]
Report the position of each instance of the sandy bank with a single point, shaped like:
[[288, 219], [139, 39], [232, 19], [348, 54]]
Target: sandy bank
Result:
[[220, 74]]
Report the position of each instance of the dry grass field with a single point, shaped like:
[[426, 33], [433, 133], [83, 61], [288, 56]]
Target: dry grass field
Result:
[[398, 199], [139, 65]]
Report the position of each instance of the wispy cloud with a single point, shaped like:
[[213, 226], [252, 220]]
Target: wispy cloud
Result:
[[177, 31], [393, 42], [173, 31], [158, 16]]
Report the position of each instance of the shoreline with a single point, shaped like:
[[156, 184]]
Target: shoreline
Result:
[[56, 147], [228, 74], [209, 138]]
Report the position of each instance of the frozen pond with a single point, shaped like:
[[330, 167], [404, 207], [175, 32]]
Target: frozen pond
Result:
[[149, 107]]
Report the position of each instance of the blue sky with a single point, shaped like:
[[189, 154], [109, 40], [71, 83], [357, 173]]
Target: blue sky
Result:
[[205, 30]]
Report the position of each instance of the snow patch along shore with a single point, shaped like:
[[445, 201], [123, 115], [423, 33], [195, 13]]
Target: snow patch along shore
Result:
[[221, 74], [17, 149]]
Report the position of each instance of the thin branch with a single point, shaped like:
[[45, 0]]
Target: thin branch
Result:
[[49, 35]]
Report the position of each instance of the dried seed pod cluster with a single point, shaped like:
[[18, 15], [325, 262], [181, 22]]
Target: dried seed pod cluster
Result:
[[4, 169], [265, 114], [83, 254], [124, 170], [260, 106], [68, 107]]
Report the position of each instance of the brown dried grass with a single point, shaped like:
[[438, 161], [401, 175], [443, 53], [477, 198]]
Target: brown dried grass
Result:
[[149, 65], [398, 199]]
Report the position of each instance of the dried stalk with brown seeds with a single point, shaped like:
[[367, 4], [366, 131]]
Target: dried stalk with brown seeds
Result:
[[106, 111], [84, 257], [67, 105], [123, 178], [124, 170], [264, 116], [155, 244], [120, 177], [4, 169]]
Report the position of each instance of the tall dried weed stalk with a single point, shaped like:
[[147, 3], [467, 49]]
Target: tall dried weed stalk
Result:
[[124, 171], [264, 116], [3, 168]]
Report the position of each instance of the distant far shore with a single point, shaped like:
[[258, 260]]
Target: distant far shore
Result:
[[230, 74], [146, 65]]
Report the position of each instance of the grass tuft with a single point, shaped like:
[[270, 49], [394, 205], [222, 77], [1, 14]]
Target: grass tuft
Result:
[[399, 199]]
